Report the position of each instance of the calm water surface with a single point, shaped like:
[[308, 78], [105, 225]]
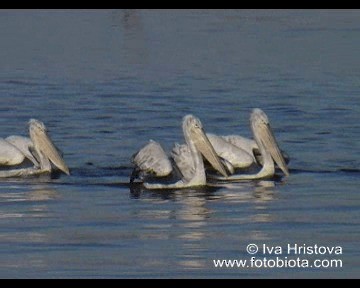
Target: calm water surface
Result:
[[104, 82]]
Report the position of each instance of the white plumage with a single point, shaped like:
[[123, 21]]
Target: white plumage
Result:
[[187, 158], [39, 149], [264, 143]]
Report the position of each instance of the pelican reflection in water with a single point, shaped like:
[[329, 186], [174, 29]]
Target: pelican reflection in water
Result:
[[240, 152], [185, 159], [38, 149]]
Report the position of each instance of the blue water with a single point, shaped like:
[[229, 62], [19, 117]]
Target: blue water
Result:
[[104, 82]]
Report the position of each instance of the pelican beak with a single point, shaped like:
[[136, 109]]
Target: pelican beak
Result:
[[44, 144], [203, 144], [272, 147]]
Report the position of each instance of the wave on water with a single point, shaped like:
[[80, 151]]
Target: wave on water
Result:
[[119, 176], [325, 171]]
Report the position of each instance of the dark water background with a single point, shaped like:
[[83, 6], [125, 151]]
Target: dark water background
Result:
[[104, 82]]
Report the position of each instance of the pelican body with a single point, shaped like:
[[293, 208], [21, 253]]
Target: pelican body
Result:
[[241, 152], [38, 149], [186, 159]]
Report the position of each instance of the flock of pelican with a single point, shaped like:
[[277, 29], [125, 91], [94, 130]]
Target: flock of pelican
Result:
[[225, 154], [202, 157]]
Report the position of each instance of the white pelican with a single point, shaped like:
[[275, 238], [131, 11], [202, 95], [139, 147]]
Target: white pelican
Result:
[[240, 152], [152, 159], [39, 149]]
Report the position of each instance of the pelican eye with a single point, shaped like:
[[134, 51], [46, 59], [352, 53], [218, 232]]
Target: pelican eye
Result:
[[197, 125]]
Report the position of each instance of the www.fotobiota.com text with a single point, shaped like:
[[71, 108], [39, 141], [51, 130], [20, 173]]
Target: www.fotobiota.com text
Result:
[[291, 255]]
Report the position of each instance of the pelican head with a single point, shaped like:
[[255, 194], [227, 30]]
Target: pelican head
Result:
[[264, 136], [45, 148], [194, 132]]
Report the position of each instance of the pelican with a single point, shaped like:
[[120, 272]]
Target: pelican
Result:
[[241, 152], [38, 149], [186, 159]]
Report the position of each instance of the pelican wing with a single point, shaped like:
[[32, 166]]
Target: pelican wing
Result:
[[236, 156], [183, 159], [9, 154], [153, 159], [246, 144], [26, 146]]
